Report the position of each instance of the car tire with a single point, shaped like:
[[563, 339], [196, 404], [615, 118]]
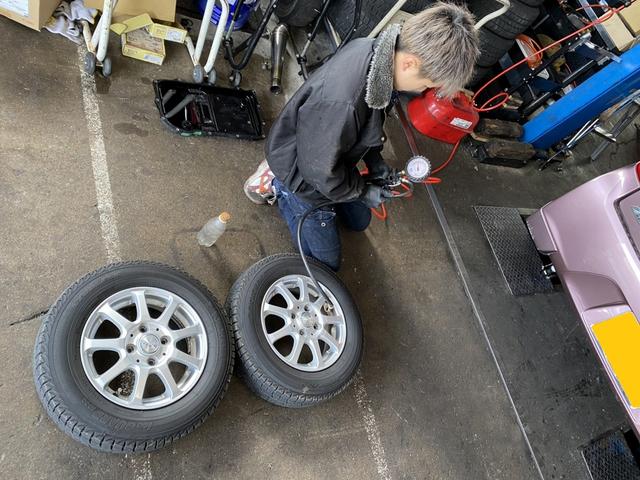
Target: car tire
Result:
[[298, 13], [492, 48], [284, 377], [102, 311], [511, 23], [479, 74]]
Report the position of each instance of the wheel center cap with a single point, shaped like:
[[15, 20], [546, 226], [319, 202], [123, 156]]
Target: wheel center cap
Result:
[[149, 344], [306, 320]]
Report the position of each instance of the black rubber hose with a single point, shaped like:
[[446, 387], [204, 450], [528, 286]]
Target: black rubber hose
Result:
[[304, 258], [175, 110]]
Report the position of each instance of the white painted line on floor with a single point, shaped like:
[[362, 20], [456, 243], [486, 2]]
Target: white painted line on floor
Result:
[[99, 162], [371, 427], [141, 470]]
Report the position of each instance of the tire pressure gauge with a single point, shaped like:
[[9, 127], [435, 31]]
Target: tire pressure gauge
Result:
[[418, 169]]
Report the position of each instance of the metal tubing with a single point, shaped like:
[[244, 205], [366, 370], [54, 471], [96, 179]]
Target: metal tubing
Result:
[[204, 28], [484, 20], [103, 39], [279, 37], [399, 4], [217, 39], [228, 44]]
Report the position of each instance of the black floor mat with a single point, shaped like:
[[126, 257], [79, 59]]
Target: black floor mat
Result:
[[514, 250], [610, 458]]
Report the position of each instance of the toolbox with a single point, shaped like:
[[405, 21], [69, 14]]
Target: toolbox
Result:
[[193, 109]]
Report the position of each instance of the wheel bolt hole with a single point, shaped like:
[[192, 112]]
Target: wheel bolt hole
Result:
[[143, 328], [164, 340], [306, 308], [157, 329], [138, 361], [129, 348], [151, 361], [293, 315], [301, 332]]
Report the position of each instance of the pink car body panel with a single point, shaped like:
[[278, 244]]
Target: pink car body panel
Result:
[[592, 235]]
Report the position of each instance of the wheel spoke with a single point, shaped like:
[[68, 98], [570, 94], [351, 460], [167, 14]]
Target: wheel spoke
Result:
[[142, 375], [114, 317], [142, 310], [277, 311], [285, 331], [97, 344], [106, 378], [296, 350], [304, 289], [316, 351], [170, 385], [332, 320], [186, 359], [286, 293], [168, 311], [187, 332], [327, 338]]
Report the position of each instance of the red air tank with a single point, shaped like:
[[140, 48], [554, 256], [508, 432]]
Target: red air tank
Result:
[[447, 120]]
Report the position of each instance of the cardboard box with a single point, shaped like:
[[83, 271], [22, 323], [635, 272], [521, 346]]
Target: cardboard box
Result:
[[618, 32], [158, 9], [168, 32], [631, 17], [139, 44], [32, 13], [131, 24]]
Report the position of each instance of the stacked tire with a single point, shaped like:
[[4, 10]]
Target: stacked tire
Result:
[[498, 35]]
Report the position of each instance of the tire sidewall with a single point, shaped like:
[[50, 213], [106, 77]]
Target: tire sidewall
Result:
[[250, 325], [74, 388]]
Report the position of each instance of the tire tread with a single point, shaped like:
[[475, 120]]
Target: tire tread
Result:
[[254, 377], [49, 398]]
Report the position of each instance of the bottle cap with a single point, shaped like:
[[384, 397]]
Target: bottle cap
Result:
[[225, 217]]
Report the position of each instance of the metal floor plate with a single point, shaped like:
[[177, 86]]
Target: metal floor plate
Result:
[[609, 458], [514, 250]]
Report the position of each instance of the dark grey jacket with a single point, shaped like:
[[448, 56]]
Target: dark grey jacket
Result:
[[326, 128]]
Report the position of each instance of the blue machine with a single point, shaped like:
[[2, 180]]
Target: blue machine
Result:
[[585, 102]]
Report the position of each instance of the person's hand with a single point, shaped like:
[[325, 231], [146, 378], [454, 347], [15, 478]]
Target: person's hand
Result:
[[373, 196], [379, 171]]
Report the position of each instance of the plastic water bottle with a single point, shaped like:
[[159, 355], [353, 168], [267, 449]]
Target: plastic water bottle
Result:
[[213, 230]]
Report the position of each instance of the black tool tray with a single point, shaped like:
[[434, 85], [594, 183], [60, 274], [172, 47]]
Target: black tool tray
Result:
[[192, 109]]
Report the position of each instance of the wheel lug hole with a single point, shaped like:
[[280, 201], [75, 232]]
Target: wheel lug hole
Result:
[[130, 348], [164, 340], [301, 332], [143, 328], [151, 362], [293, 315]]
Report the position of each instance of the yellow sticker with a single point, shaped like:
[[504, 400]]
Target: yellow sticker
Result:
[[619, 338]]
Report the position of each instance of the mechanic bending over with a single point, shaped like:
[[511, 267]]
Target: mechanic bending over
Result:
[[335, 120]]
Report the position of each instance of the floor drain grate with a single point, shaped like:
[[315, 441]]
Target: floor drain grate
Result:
[[514, 250], [610, 458]]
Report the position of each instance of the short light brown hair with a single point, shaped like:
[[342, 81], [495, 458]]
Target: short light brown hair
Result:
[[444, 38]]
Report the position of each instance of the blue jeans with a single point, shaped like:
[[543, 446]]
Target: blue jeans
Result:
[[320, 237]]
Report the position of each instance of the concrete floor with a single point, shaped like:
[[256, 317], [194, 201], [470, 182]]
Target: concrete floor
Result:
[[429, 402]]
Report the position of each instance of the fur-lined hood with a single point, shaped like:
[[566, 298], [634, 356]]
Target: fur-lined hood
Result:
[[380, 76]]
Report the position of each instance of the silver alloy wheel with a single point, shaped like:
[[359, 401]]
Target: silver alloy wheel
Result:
[[302, 333], [171, 346]]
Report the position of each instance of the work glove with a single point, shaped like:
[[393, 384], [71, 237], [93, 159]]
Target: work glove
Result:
[[373, 196], [378, 168]]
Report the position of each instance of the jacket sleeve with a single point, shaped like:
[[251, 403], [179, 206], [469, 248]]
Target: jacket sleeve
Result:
[[325, 132]]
